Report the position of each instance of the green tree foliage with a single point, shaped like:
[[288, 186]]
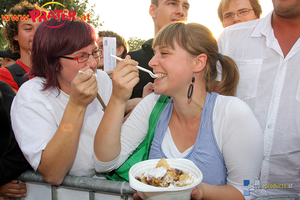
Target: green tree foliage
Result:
[[2, 41], [5, 5], [135, 43]]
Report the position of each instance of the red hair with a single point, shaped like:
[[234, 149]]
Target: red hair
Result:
[[51, 43]]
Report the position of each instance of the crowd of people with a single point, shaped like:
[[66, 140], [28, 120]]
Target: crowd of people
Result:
[[229, 105]]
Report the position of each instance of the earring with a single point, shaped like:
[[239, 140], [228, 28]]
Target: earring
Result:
[[191, 88]]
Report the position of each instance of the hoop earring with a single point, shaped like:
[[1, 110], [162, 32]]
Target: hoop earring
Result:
[[191, 88]]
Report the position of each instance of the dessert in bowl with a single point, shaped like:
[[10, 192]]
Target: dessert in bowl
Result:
[[151, 181]]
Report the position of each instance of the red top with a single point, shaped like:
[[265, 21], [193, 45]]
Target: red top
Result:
[[6, 76]]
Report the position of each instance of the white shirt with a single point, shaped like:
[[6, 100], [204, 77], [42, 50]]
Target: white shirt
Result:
[[169, 147], [36, 116], [237, 132], [270, 85]]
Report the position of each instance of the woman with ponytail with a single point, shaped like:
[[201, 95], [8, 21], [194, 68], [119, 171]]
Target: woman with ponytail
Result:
[[218, 133]]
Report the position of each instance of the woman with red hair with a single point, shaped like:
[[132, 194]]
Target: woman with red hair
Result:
[[56, 114]]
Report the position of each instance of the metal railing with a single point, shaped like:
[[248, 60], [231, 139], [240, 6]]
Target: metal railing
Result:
[[90, 185], [95, 186]]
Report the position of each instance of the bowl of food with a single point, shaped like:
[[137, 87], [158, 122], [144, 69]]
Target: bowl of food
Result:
[[165, 178]]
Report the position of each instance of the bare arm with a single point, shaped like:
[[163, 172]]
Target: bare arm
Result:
[[59, 154], [224, 192], [107, 145]]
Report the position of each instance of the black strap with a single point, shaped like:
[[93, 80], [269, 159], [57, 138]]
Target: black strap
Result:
[[18, 73]]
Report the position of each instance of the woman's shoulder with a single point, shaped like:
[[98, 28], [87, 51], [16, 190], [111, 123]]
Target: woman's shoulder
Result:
[[32, 91], [230, 107], [233, 118], [141, 113], [146, 105], [230, 102], [34, 83]]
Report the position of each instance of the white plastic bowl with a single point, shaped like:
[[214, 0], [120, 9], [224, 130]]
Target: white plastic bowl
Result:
[[160, 193]]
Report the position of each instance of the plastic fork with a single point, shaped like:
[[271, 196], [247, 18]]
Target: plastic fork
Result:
[[140, 68]]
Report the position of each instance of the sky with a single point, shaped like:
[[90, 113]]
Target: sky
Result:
[[130, 18]]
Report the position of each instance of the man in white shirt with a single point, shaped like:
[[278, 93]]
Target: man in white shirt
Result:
[[267, 52]]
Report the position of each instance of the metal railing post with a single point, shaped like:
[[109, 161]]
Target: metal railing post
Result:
[[91, 195], [54, 192]]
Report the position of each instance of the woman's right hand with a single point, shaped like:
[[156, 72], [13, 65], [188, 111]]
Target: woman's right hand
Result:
[[84, 87], [125, 77]]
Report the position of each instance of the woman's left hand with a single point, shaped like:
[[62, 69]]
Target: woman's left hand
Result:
[[197, 193]]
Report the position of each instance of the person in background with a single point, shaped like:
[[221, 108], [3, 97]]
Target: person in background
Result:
[[163, 13], [12, 160], [122, 45], [195, 124], [235, 11], [19, 35], [267, 52], [9, 58], [66, 84]]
